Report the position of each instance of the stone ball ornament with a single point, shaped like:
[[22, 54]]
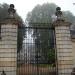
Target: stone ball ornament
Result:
[[12, 6], [58, 9]]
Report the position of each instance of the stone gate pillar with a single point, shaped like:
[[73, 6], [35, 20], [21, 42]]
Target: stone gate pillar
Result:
[[63, 47], [73, 46], [8, 46]]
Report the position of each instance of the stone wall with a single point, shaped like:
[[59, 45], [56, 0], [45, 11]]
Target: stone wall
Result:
[[8, 49]]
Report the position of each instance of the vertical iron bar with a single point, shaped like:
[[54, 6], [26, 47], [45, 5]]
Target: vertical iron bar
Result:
[[56, 60], [37, 52]]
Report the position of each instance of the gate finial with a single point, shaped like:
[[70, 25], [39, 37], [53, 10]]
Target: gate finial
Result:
[[58, 13], [11, 10]]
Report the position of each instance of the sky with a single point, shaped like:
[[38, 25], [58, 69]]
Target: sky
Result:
[[24, 6]]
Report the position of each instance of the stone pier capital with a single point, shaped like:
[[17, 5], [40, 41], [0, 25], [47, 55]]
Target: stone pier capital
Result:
[[61, 23]]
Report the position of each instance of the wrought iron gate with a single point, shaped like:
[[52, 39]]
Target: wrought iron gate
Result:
[[37, 56]]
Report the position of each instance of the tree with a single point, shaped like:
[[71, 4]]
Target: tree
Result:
[[69, 16], [42, 13], [41, 16], [21, 33]]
